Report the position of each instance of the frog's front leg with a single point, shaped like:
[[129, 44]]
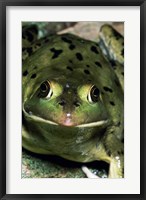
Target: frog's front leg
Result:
[[114, 148], [116, 167], [111, 151]]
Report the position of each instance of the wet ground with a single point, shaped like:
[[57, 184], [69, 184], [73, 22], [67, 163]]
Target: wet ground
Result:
[[39, 166]]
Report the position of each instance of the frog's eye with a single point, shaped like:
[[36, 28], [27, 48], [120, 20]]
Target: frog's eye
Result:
[[94, 94], [45, 89]]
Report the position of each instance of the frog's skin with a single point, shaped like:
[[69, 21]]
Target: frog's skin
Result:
[[73, 98]]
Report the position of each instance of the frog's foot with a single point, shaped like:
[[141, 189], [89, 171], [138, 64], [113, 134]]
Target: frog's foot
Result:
[[88, 173]]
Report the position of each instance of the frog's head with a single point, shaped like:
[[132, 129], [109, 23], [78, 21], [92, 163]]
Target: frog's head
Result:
[[61, 91], [67, 102]]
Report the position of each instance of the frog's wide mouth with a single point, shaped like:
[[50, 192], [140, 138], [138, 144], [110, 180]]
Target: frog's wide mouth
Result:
[[91, 124]]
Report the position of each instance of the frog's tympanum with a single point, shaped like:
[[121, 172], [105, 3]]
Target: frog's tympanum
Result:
[[73, 97]]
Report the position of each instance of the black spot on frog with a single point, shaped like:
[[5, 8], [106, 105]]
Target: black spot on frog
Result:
[[86, 71], [112, 103], [71, 47], [94, 49], [98, 64], [69, 68], [79, 56], [66, 40], [56, 52], [25, 73], [107, 89], [33, 76]]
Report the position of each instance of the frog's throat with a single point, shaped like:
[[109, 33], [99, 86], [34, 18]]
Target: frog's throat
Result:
[[39, 119]]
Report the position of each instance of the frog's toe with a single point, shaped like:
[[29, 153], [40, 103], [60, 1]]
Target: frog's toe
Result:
[[88, 173]]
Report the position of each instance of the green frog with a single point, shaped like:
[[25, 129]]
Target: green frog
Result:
[[73, 99]]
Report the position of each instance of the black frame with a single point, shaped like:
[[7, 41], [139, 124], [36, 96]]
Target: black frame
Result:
[[3, 5]]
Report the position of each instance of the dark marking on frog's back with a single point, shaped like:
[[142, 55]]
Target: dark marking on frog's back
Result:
[[107, 89], [33, 76], [98, 64], [29, 50], [69, 68], [30, 33], [72, 46], [66, 40], [94, 49], [88, 66], [86, 71], [56, 52], [25, 73], [122, 73], [79, 56], [112, 103]]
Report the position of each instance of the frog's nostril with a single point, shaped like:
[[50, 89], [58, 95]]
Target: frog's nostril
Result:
[[62, 102]]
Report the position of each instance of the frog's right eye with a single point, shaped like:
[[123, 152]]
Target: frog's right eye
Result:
[[46, 90]]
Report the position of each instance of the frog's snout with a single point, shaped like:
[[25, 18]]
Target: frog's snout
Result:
[[69, 99], [68, 107]]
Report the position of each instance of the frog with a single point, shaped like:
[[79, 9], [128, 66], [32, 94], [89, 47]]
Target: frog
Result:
[[73, 98]]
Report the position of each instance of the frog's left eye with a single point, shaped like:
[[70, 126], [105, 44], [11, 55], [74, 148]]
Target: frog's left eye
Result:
[[94, 94], [45, 89]]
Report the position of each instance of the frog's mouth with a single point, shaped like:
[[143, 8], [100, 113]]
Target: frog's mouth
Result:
[[91, 124]]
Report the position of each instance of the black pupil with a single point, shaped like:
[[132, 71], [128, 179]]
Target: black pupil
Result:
[[44, 87], [95, 94]]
